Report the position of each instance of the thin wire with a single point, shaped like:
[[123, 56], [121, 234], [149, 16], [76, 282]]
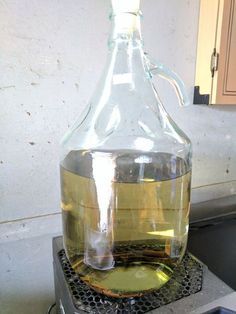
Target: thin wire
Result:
[[50, 308]]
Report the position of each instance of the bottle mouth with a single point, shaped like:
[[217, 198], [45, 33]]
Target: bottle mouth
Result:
[[125, 17], [125, 6], [113, 15]]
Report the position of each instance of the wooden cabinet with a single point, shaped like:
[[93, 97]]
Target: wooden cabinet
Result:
[[216, 58]]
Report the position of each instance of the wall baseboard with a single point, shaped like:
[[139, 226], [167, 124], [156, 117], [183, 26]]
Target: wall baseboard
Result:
[[213, 191], [30, 227]]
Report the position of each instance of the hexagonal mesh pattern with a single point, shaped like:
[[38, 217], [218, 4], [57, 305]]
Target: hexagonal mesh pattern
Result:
[[186, 280]]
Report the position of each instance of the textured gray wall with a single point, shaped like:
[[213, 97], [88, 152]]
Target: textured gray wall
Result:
[[52, 53]]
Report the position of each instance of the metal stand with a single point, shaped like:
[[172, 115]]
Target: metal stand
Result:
[[73, 296]]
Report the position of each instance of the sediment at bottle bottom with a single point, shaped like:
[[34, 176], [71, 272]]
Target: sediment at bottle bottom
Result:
[[131, 275]]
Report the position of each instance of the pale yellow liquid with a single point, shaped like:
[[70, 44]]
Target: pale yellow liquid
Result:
[[125, 230]]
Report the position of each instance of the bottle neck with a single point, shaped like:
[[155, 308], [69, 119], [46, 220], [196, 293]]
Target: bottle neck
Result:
[[125, 44], [126, 29]]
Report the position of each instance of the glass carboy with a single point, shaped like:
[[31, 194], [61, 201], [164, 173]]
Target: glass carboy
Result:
[[126, 173]]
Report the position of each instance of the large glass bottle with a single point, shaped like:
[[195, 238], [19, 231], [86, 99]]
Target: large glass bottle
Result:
[[126, 173]]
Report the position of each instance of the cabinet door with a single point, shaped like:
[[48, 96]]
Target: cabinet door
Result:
[[224, 82], [216, 57], [207, 33]]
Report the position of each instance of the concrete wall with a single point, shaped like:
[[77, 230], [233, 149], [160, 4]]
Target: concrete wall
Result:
[[51, 56]]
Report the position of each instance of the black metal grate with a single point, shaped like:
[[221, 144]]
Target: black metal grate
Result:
[[186, 280]]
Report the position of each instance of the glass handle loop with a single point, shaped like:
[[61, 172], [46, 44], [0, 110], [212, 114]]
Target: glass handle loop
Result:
[[169, 75]]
